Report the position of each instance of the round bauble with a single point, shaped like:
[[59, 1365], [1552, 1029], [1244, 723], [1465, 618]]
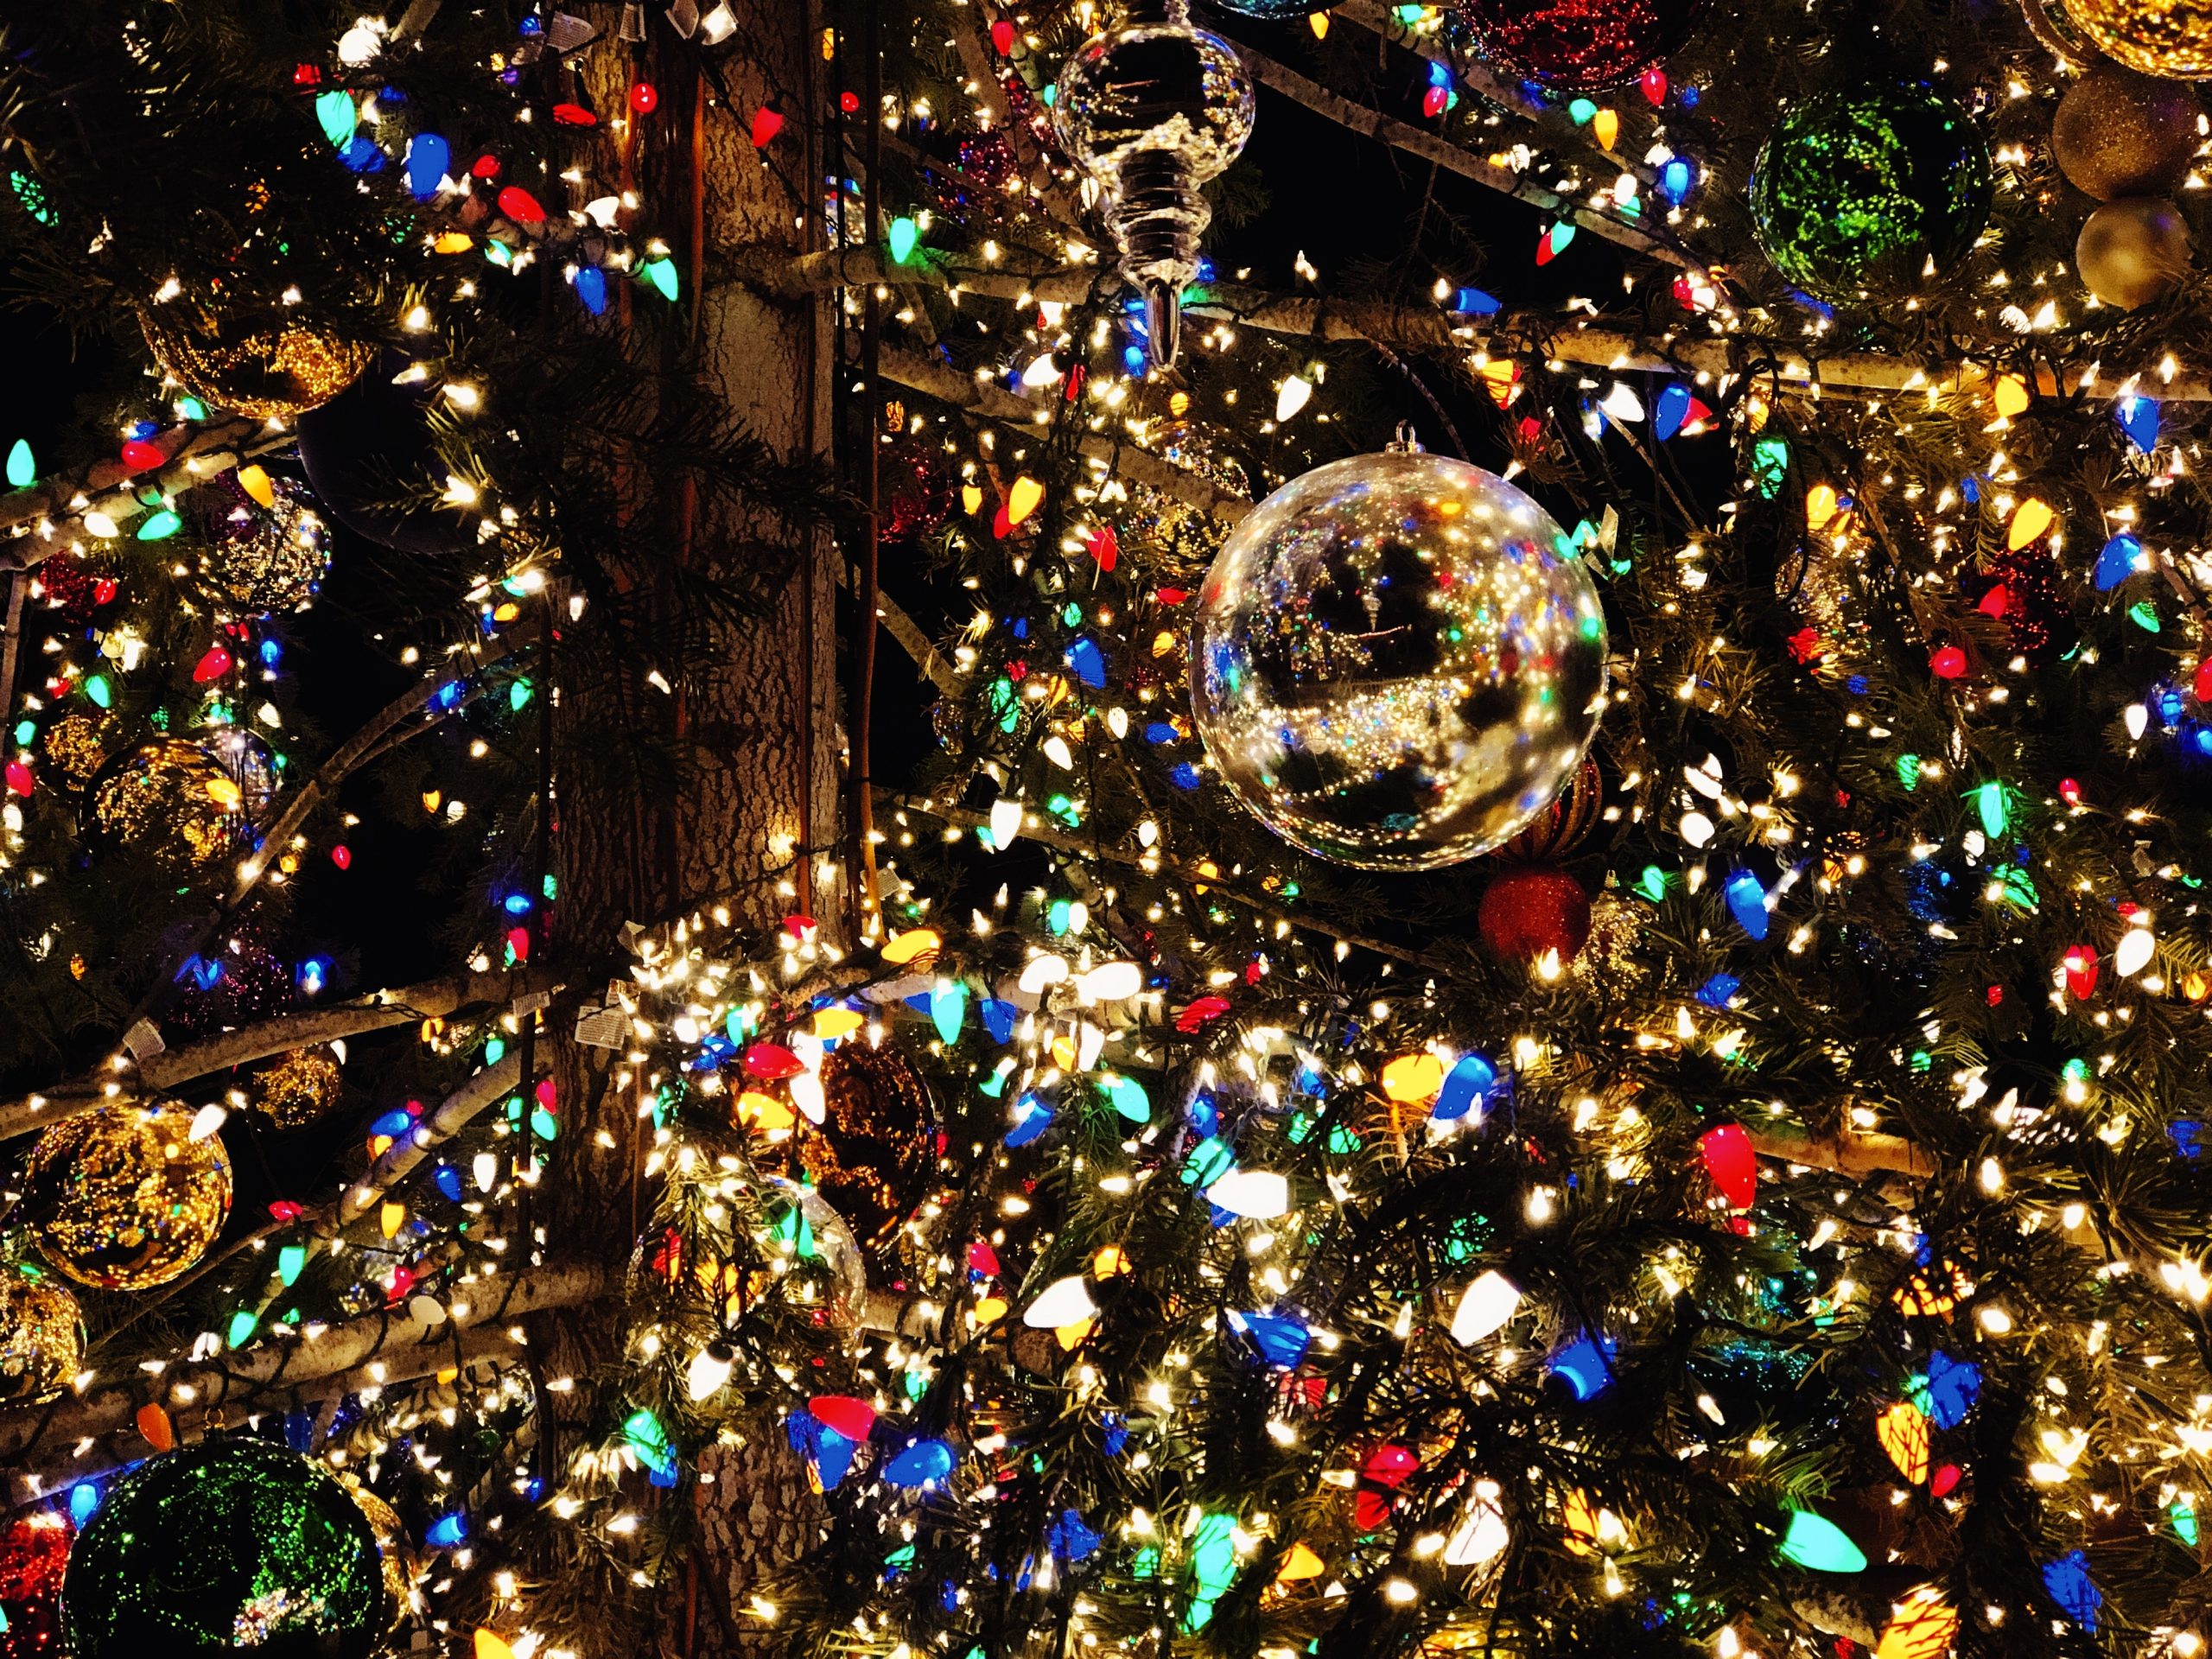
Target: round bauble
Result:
[[256, 561], [122, 1198], [2120, 134], [297, 1089], [273, 369], [72, 751], [2132, 253], [400, 1567], [806, 1228], [1579, 45], [222, 1546], [878, 1156], [172, 798], [1532, 913], [1559, 828], [2168, 38], [41, 1336], [371, 457], [1272, 9], [1858, 189], [916, 487], [1398, 661], [34, 1554]]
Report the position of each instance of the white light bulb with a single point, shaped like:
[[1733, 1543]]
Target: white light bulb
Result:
[[1484, 1307]]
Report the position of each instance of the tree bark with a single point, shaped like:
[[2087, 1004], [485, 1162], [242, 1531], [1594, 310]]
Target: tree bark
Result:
[[752, 822]]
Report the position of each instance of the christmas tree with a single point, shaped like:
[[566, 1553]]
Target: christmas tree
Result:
[[925, 828]]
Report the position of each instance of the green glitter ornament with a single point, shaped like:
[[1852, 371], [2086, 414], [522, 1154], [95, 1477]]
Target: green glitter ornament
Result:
[[224, 1546], [1858, 190]]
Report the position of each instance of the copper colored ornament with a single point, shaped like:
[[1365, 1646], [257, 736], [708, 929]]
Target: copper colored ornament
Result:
[[2132, 253], [2120, 134], [877, 1152], [402, 1565], [299, 1088], [274, 369], [173, 798], [72, 751], [1530, 914], [1561, 826]]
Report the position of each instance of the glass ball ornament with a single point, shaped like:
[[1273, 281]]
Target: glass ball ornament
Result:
[[298, 1087], [402, 1566], [72, 751], [272, 369], [172, 798], [257, 560], [1398, 661], [1272, 10], [805, 1229], [41, 1336], [1579, 47], [122, 1198], [2120, 134], [2169, 38], [1860, 189], [227, 1545], [1152, 109]]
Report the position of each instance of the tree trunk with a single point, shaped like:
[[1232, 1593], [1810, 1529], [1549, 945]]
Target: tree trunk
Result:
[[757, 804]]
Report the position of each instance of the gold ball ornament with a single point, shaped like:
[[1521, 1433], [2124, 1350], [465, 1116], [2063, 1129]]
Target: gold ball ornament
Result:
[[301, 1087], [72, 749], [2120, 134], [274, 369], [41, 1336], [2132, 253], [123, 1197], [402, 1567], [173, 798], [2168, 38]]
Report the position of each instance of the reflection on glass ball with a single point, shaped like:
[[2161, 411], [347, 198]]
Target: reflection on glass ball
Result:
[[41, 1336], [72, 749], [807, 1230], [297, 1088], [402, 1567], [168, 797], [123, 1197], [1863, 186], [1398, 661], [273, 370], [227, 1545], [2172, 38], [255, 561], [1579, 45], [1162, 86]]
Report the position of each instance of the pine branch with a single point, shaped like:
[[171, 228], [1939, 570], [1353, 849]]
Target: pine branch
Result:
[[378, 1011], [377, 1349]]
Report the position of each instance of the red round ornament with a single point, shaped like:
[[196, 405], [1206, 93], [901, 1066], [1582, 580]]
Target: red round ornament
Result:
[[33, 1552], [1528, 913], [1579, 45]]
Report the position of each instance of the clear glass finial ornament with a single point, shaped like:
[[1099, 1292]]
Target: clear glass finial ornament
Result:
[[1152, 109]]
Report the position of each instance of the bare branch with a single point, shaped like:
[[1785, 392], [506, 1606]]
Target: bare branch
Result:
[[403, 1348]]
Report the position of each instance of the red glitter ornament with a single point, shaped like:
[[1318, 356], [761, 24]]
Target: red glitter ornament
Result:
[[1579, 45], [33, 1552], [1527, 914]]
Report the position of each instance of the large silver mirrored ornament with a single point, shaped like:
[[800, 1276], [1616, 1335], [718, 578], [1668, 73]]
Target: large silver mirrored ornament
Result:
[[1152, 109], [1398, 661]]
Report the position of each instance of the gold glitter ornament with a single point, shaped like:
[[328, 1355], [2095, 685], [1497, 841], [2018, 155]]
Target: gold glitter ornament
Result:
[[72, 750], [274, 369], [2169, 38], [41, 1336], [1608, 954], [2120, 134], [257, 560], [123, 1197], [299, 1088], [173, 798]]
